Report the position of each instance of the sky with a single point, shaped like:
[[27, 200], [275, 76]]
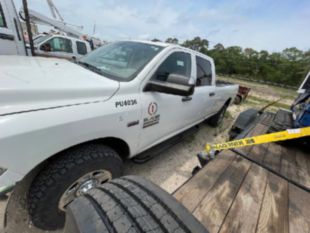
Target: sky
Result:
[[271, 25]]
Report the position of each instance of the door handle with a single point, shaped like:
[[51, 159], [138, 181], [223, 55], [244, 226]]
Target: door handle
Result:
[[211, 94], [187, 98]]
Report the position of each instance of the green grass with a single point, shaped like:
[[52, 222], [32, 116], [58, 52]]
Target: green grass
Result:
[[255, 101], [280, 91]]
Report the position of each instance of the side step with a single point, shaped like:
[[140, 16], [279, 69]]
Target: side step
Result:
[[154, 151]]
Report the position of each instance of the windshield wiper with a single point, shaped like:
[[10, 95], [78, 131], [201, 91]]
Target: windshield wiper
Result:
[[90, 67]]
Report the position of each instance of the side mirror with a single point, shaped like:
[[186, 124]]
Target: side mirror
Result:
[[176, 85]]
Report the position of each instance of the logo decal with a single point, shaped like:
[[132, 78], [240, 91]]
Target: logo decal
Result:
[[152, 119], [152, 108]]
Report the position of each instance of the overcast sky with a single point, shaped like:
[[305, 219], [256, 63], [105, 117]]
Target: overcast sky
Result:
[[261, 24]]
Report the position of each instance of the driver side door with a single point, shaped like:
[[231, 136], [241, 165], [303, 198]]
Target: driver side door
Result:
[[165, 115]]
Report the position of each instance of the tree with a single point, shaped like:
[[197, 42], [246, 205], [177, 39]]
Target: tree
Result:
[[219, 47], [292, 54], [156, 40], [287, 67], [171, 40], [198, 44]]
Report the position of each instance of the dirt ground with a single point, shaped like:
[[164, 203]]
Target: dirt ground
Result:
[[170, 169]]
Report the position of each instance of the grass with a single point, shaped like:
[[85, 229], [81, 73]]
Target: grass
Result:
[[263, 102], [278, 91]]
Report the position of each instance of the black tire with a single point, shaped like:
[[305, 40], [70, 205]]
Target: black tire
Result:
[[129, 204], [217, 119], [237, 100], [50, 184]]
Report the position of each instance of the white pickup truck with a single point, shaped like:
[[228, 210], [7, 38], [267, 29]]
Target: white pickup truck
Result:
[[71, 125]]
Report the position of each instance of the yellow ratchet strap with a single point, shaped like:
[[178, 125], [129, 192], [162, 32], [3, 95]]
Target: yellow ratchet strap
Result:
[[261, 139]]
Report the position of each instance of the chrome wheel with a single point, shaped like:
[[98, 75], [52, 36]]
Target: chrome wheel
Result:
[[83, 185]]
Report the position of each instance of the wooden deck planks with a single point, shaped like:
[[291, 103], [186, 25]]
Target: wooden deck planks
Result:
[[213, 208], [244, 213], [231, 194], [303, 168], [191, 194], [257, 130], [274, 211], [299, 210], [289, 164], [273, 157]]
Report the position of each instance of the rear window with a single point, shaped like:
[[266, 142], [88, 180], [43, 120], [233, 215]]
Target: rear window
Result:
[[81, 47], [2, 19], [204, 72]]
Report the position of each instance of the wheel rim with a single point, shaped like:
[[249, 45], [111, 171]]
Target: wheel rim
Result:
[[82, 185]]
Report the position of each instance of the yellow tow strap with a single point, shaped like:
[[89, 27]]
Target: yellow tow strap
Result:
[[265, 138]]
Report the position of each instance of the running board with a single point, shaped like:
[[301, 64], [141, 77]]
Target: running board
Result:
[[158, 149]]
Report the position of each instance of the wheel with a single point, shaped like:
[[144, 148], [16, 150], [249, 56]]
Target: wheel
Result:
[[217, 119], [70, 175], [237, 100], [129, 204]]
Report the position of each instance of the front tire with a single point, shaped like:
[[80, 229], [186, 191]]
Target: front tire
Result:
[[75, 170]]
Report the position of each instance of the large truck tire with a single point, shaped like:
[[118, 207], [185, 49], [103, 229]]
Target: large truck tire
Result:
[[129, 204], [218, 118], [68, 176]]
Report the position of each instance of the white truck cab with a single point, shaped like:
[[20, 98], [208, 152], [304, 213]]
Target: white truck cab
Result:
[[61, 46], [71, 124]]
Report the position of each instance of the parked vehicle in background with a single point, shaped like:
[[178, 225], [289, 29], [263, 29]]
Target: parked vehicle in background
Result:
[[61, 46], [49, 45], [242, 94], [76, 123]]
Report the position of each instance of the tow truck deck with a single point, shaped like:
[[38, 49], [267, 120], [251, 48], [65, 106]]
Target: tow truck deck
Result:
[[259, 194]]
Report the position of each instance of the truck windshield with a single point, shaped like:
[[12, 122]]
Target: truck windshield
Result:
[[121, 61]]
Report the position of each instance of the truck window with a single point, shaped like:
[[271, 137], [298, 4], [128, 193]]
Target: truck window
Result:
[[176, 63], [204, 72], [59, 44], [2, 19], [81, 47], [121, 60]]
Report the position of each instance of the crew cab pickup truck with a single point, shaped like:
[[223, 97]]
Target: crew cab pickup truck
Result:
[[70, 125]]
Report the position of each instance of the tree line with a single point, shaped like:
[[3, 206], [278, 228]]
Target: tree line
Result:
[[288, 67]]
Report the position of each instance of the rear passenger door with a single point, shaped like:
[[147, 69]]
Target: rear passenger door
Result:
[[205, 88], [81, 48]]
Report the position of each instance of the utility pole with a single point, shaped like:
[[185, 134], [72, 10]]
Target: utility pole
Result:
[[28, 25]]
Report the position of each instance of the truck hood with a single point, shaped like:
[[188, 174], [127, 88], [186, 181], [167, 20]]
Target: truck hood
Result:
[[33, 83]]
